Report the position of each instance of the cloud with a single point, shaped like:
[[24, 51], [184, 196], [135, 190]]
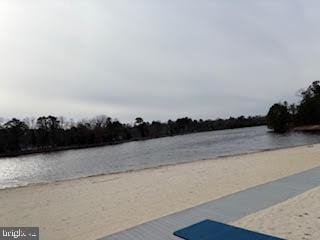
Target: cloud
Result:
[[155, 59]]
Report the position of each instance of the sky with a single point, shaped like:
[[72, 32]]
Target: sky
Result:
[[157, 59]]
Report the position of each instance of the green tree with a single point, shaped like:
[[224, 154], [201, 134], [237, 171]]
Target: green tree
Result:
[[138, 121], [278, 118], [16, 129], [47, 131], [309, 108]]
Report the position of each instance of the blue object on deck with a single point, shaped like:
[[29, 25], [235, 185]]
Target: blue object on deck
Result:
[[211, 230]]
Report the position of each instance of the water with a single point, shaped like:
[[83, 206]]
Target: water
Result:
[[23, 170]]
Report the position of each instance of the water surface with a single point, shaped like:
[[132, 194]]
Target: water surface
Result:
[[70, 164]]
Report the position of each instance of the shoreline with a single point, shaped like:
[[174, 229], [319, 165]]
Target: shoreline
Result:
[[154, 167], [88, 146], [309, 129]]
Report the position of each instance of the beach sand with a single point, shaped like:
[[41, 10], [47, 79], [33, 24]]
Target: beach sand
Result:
[[93, 207], [295, 219]]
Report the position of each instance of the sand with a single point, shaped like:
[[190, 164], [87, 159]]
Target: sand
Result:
[[93, 207], [295, 219]]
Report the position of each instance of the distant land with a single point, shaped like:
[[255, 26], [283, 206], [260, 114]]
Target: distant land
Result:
[[304, 116], [50, 133]]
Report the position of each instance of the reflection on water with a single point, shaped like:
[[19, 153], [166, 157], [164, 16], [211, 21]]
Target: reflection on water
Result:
[[143, 154]]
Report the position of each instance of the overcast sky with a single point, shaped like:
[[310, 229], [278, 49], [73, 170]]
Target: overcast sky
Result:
[[157, 59]]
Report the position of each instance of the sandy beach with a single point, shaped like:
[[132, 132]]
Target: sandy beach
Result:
[[295, 219], [93, 207]]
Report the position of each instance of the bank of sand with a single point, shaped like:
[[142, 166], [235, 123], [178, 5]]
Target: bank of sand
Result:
[[93, 207], [295, 219]]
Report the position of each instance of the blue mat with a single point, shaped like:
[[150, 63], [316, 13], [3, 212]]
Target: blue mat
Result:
[[211, 230]]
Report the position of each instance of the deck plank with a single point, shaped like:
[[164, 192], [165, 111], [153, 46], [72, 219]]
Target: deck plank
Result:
[[225, 209]]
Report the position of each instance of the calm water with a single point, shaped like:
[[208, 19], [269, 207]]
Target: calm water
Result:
[[69, 164]]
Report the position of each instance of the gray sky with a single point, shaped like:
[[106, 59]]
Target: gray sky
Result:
[[158, 59]]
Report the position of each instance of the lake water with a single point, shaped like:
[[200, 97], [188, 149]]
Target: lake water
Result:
[[23, 170]]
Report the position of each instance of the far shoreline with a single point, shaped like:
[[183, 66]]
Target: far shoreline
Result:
[[88, 146], [310, 129]]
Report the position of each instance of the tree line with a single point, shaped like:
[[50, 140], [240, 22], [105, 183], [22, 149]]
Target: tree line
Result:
[[48, 133], [283, 116]]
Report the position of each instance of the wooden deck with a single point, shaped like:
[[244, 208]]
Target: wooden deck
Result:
[[225, 209]]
